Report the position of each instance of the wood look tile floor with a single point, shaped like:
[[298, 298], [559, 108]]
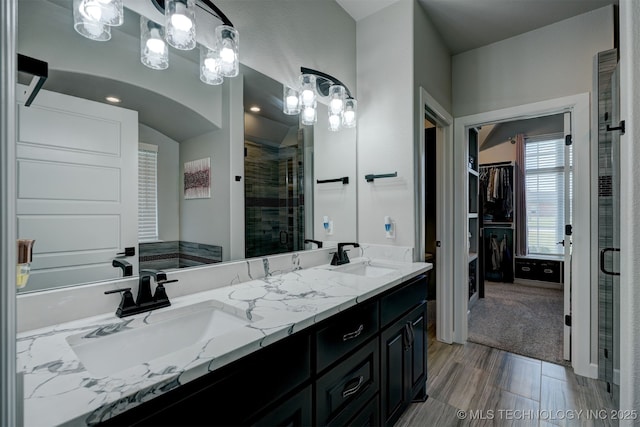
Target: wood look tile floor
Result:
[[476, 385]]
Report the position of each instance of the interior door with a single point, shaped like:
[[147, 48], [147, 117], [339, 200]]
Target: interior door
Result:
[[77, 166], [568, 184]]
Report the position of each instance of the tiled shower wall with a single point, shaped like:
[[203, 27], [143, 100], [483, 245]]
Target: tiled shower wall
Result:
[[271, 199]]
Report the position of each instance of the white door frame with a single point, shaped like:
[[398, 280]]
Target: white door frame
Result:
[[579, 106], [444, 203]]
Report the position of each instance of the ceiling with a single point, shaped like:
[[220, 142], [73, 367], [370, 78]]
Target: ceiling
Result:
[[468, 24]]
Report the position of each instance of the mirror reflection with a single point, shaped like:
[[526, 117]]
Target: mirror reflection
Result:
[[168, 173]]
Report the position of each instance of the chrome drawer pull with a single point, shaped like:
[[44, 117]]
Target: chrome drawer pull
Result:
[[355, 388], [525, 269], [354, 334], [548, 270]]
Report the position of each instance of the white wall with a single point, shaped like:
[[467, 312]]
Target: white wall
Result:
[[629, 206], [505, 152], [546, 63], [389, 80], [168, 179], [432, 61], [334, 157], [386, 124]]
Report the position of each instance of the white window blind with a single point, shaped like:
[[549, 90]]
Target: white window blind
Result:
[[147, 192], [545, 193]]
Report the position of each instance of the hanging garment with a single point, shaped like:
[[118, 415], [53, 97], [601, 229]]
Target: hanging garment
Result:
[[496, 254]]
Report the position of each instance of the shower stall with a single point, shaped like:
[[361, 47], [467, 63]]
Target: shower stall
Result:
[[275, 196]]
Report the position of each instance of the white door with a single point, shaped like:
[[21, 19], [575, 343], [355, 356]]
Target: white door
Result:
[[568, 176], [77, 167]]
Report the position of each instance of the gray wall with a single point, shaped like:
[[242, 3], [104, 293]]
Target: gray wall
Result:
[[547, 63], [169, 191]]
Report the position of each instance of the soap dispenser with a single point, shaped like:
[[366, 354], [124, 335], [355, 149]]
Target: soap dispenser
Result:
[[25, 255]]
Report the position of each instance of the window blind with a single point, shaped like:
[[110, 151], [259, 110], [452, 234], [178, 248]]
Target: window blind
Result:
[[147, 192], [545, 193]]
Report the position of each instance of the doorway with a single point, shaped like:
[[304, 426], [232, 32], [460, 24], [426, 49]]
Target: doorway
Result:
[[578, 307], [524, 214], [434, 209]]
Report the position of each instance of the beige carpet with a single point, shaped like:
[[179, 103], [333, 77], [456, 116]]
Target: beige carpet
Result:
[[520, 319]]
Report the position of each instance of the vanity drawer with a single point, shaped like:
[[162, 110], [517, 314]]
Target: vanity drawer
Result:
[[344, 333], [344, 390], [401, 300]]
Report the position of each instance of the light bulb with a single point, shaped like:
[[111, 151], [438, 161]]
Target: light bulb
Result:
[[91, 10], [336, 106], [210, 64], [334, 122], [308, 115], [292, 102], [227, 55], [181, 22], [156, 45], [307, 97], [349, 116]]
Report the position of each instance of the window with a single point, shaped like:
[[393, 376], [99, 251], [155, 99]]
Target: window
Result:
[[545, 193], [147, 193]]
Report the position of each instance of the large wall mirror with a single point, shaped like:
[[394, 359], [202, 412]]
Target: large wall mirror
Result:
[[184, 173]]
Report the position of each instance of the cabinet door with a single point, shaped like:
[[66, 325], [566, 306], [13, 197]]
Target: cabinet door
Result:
[[395, 370], [404, 363], [294, 412], [419, 353]]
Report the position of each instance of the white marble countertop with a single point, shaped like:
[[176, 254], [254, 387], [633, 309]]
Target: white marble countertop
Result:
[[59, 390]]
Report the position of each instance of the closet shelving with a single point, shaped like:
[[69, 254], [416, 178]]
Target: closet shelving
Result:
[[498, 221], [472, 213]]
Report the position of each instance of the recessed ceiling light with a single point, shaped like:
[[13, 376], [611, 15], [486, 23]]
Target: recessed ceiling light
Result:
[[255, 109], [113, 99]]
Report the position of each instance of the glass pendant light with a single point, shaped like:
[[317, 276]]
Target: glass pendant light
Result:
[[227, 38], [308, 99], [349, 115], [107, 12], [336, 99], [290, 101], [180, 23], [87, 27], [210, 66], [154, 52]]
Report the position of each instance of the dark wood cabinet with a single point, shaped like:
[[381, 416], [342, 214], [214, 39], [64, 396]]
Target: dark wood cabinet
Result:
[[361, 367], [293, 412], [403, 348]]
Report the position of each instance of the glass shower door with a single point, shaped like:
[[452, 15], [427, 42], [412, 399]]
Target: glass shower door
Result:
[[609, 221]]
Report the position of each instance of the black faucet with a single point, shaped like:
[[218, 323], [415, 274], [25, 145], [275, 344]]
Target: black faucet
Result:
[[317, 242], [145, 300], [127, 269], [340, 257]]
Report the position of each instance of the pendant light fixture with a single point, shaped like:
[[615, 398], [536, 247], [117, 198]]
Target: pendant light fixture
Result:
[[154, 52], [85, 24], [303, 100], [93, 19], [180, 21]]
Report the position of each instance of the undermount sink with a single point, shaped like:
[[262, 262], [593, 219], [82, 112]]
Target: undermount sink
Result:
[[364, 269], [117, 347]]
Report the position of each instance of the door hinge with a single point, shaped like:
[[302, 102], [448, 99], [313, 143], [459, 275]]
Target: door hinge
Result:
[[568, 230], [568, 140], [567, 320], [438, 243], [606, 353]]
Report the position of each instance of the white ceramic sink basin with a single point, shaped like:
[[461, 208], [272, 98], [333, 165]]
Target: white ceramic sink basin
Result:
[[110, 350], [364, 269]]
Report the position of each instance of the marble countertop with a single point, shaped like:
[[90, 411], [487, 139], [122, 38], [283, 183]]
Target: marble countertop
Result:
[[60, 390]]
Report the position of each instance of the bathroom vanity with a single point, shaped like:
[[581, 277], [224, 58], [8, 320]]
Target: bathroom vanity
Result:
[[324, 345]]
